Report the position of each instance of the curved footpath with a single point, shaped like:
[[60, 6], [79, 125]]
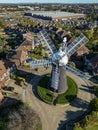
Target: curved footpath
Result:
[[53, 116]]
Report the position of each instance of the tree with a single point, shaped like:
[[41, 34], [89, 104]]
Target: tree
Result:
[[18, 116], [96, 90], [94, 104], [3, 23], [72, 64]]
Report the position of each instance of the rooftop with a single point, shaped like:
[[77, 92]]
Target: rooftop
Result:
[[2, 68], [4, 65], [14, 54], [54, 14]]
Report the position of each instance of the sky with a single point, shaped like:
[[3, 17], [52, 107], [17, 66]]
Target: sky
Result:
[[48, 1]]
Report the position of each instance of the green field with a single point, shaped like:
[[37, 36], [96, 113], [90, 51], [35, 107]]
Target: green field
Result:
[[48, 95]]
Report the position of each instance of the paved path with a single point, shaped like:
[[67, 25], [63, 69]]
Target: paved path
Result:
[[53, 116]]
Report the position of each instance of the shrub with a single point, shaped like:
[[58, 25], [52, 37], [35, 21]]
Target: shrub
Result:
[[94, 104]]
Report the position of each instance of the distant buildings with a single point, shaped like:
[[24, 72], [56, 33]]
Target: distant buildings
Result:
[[53, 15]]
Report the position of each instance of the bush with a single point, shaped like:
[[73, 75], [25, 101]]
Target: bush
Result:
[[96, 90], [19, 80], [94, 104]]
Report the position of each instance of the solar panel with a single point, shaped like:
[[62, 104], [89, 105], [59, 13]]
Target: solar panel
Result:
[[47, 40], [76, 44]]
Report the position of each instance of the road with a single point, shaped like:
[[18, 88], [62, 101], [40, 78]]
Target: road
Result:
[[52, 117]]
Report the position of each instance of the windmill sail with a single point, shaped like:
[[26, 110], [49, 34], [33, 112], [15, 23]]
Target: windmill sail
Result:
[[76, 44], [47, 41], [43, 62]]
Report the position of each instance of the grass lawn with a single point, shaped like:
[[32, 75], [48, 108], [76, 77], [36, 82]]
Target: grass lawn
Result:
[[48, 95], [70, 94], [43, 91]]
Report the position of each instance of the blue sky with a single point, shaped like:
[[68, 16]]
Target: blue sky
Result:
[[49, 1]]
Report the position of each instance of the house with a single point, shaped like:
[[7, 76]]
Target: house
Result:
[[11, 66], [28, 43], [82, 50], [27, 46], [4, 73], [28, 36], [7, 69], [2, 85], [18, 57]]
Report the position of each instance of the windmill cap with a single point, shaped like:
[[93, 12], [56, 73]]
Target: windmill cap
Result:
[[64, 39]]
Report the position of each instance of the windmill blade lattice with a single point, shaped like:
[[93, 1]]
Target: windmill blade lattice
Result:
[[43, 62], [76, 44], [47, 41]]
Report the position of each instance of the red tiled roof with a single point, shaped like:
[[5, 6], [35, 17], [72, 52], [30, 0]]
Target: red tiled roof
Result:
[[28, 36], [25, 46], [2, 68], [82, 50], [2, 85], [17, 56]]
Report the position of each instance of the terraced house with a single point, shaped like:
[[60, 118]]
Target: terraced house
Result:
[[7, 69]]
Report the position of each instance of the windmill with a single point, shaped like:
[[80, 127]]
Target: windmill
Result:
[[58, 60]]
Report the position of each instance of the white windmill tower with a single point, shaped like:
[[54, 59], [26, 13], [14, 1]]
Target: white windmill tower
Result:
[[58, 60]]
